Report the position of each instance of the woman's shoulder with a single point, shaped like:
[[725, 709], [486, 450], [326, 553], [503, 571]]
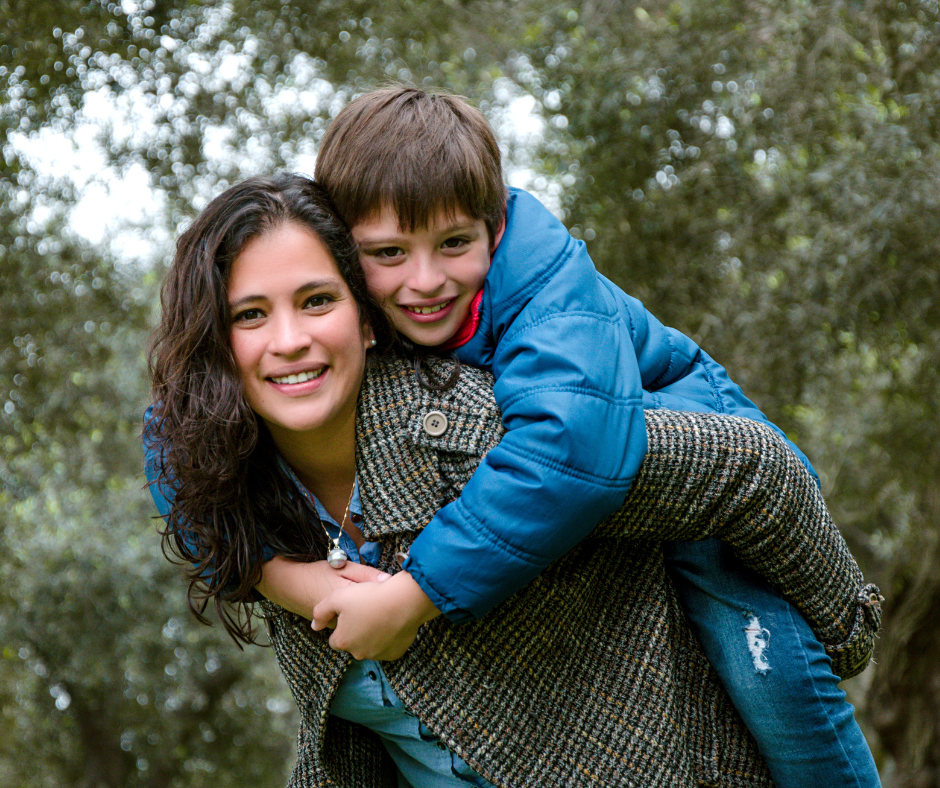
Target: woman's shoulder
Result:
[[416, 445]]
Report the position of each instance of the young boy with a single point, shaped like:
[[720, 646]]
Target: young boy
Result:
[[419, 180]]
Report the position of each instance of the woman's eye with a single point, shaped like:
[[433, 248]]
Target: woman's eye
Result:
[[247, 315], [317, 301]]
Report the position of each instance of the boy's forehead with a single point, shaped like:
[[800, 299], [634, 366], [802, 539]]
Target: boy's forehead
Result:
[[388, 219]]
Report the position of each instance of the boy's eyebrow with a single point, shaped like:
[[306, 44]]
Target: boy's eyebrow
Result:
[[455, 226], [315, 284]]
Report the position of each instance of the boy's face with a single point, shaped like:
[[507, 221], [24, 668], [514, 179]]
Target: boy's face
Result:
[[425, 280]]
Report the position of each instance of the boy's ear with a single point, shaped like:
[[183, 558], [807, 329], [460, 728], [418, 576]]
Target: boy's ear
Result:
[[499, 234]]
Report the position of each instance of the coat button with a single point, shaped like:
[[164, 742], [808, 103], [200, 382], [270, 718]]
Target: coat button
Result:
[[434, 423]]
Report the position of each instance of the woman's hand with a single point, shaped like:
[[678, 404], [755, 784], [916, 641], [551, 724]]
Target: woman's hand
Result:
[[375, 620], [298, 587]]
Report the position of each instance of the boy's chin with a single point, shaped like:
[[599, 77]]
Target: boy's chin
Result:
[[429, 338]]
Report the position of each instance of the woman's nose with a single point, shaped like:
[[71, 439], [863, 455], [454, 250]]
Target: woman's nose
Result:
[[291, 336]]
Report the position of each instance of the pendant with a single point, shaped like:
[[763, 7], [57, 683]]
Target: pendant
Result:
[[337, 556]]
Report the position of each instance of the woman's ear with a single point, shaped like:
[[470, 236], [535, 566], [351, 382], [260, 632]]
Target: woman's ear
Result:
[[368, 336]]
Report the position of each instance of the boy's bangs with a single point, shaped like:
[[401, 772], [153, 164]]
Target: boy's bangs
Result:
[[417, 153], [420, 197]]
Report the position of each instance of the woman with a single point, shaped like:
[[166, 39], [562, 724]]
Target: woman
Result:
[[590, 674]]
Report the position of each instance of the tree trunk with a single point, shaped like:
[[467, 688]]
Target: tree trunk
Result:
[[904, 704]]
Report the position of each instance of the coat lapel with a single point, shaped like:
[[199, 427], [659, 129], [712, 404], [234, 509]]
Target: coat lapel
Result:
[[402, 483]]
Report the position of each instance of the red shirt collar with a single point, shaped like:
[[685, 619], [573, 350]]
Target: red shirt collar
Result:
[[468, 328]]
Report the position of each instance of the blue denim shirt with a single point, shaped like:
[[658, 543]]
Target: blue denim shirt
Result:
[[364, 695]]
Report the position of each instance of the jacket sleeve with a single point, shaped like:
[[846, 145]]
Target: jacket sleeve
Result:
[[569, 387], [736, 480]]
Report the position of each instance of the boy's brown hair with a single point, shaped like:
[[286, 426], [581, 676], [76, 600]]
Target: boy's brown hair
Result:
[[418, 153]]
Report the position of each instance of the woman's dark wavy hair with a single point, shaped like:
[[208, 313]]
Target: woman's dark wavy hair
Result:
[[230, 495]]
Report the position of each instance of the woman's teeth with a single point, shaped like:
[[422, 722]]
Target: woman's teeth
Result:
[[301, 377]]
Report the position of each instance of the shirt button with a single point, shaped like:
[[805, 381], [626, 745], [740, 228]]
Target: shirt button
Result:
[[441, 745], [372, 675], [434, 423], [356, 518]]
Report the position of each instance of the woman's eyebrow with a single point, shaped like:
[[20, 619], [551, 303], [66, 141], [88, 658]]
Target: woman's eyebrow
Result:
[[315, 284], [319, 284]]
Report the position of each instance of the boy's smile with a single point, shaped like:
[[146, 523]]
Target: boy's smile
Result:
[[425, 280]]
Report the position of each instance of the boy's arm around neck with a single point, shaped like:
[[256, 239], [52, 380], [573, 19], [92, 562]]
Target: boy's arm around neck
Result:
[[571, 397], [572, 355]]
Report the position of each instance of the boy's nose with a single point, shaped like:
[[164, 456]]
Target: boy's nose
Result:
[[426, 276]]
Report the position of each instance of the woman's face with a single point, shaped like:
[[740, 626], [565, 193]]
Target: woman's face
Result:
[[296, 335]]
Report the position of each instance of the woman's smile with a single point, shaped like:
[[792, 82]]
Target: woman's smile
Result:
[[303, 377]]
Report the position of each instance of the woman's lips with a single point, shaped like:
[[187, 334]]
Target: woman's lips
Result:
[[298, 382]]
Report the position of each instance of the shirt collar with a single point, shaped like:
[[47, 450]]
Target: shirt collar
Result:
[[355, 507]]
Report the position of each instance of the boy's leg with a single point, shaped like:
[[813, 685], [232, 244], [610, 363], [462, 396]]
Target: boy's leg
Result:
[[775, 670]]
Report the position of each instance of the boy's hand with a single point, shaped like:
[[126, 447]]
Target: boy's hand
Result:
[[298, 587], [375, 620]]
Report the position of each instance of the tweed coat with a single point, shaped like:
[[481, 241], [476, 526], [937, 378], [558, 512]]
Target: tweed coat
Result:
[[590, 675]]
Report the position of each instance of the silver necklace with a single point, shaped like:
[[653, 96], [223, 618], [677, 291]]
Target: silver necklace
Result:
[[337, 557]]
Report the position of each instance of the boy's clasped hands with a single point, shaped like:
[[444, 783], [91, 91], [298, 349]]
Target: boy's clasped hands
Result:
[[376, 618]]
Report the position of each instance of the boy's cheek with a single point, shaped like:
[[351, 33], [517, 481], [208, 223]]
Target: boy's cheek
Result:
[[377, 281]]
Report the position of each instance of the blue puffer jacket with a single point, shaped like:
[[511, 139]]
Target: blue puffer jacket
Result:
[[576, 361]]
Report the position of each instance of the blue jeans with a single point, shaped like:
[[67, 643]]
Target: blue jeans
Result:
[[773, 667]]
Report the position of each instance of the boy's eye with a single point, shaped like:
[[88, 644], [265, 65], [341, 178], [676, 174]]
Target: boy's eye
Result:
[[454, 243], [387, 252]]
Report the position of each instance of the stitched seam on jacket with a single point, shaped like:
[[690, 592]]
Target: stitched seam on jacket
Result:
[[719, 403], [584, 390], [600, 317], [479, 527], [566, 470], [666, 374]]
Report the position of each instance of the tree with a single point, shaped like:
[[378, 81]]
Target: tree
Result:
[[106, 681], [763, 175]]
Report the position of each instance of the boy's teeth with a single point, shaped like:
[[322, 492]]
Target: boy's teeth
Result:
[[427, 310], [302, 377]]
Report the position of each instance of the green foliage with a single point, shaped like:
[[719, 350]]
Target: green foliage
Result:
[[763, 175], [111, 683]]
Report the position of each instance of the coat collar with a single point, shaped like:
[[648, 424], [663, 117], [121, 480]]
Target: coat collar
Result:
[[403, 474]]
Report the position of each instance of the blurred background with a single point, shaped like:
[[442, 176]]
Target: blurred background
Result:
[[763, 174]]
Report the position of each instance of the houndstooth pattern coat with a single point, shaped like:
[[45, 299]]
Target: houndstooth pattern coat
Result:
[[589, 676]]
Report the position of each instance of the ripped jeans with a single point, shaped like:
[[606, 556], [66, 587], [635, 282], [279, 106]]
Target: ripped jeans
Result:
[[773, 667]]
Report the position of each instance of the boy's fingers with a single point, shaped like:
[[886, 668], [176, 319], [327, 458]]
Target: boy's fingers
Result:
[[361, 573], [329, 625], [324, 615]]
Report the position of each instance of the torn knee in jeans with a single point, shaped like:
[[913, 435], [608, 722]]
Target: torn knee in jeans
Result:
[[758, 639]]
